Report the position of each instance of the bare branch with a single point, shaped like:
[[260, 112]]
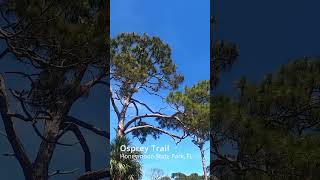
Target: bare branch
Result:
[[4, 53], [136, 107], [99, 174], [88, 126], [151, 93], [20, 98], [97, 80], [143, 104], [156, 115], [85, 88], [29, 76], [20, 116], [5, 18], [113, 103], [36, 130], [154, 128], [8, 154], [87, 155], [4, 34], [3, 134], [59, 172]]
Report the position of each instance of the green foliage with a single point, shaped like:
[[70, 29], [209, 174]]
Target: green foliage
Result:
[[195, 107], [181, 176], [165, 178], [64, 31], [273, 124], [142, 62], [121, 168], [223, 57]]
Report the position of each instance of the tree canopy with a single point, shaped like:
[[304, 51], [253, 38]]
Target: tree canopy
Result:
[[273, 125], [181, 176], [194, 105], [142, 61]]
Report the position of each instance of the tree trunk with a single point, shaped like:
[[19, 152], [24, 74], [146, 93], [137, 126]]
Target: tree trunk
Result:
[[120, 129], [204, 168], [47, 146], [122, 117]]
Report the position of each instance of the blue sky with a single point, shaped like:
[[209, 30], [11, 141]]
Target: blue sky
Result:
[[184, 25], [268, 32]]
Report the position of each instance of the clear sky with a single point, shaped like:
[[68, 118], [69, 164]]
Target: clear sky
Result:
[[184, 25]]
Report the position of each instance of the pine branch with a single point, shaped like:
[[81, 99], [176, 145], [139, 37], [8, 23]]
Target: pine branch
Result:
[[157, 129], [88, 126]]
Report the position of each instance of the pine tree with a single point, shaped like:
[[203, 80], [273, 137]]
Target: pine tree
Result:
[[141, 64], [58, 43], [194, 103]]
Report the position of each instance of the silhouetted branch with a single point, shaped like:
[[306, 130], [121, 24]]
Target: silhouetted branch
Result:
[[112, 97], [3, 134], [92, 175], [21, 100], [87, 155], [88, 126], [20, 116], [144, 105], [60, 172], [36, 130], [155, 115], [11, 133], [155, 128], [4, 53], [8, 154]]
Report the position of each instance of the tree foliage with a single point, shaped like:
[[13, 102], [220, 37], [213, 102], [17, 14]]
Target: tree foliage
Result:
[[140, 63], [165, 178], [194, 103], [124, 168], [224, 54], [274, 125], [181, 176], [63, 46]]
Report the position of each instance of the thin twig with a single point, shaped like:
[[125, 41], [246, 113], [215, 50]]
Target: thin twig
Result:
[[8, 154], [3, 134]]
